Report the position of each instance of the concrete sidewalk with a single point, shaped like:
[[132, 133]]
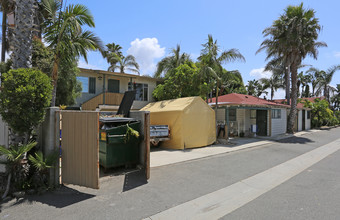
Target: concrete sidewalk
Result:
[[161, 157]]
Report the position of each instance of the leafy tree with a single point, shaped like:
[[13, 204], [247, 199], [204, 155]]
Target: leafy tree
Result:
[[65, 35], [336, 99], [273, 83], [25, 93], [292, 37], [180, 82], [42, 57], [321, 114], [68, 88], [170, 63], [323, 80]]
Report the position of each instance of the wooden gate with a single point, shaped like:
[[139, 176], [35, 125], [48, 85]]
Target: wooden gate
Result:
[[80, 148]]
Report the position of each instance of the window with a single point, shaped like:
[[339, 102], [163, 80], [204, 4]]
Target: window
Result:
[[88, 84], [232, 114], [276, 113], [252, 114], [308, 114], [142, 91]]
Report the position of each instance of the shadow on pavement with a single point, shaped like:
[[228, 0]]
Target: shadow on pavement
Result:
[[295, 140], [60, 198], [134, 179]]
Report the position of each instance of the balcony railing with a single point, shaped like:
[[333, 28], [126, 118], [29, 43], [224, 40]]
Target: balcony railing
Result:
[[110, 99]]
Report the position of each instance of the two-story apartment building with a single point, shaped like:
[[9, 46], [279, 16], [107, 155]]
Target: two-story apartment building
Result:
[[102, 89]]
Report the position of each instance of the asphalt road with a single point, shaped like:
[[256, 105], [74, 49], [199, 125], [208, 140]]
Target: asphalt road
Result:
[[310, 195]]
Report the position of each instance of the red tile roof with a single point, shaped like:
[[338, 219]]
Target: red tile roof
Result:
[[241, 99], [299, 105]]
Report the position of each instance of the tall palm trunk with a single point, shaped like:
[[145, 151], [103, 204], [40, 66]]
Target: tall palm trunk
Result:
[[22, 45], [55, 78], [4, 28], [292, 114], [287, 72], [271, 93]]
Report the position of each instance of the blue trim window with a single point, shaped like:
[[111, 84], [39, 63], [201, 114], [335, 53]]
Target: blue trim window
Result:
[[84, 83], [88, 84]]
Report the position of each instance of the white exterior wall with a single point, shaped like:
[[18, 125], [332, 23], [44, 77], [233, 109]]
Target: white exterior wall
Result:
[[300, 120], [279, 126]]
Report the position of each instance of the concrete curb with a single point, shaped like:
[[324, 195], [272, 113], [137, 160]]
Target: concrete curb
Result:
[[179, 156]]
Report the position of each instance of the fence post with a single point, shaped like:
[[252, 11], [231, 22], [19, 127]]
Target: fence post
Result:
[[49, 138]]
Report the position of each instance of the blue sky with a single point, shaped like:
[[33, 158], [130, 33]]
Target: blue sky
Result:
[[149, 29]]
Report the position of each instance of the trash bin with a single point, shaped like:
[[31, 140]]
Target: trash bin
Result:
[[114, 148]]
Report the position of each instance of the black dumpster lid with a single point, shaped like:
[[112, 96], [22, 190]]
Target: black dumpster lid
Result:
[[116, 119]]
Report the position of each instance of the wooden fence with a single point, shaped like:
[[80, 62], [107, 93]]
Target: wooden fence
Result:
[[80, 148], [110, 99]]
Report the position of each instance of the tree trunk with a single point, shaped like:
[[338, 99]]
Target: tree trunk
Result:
[[4, 28], [55, 78], [272, 93], [287, 84], [292, 114]]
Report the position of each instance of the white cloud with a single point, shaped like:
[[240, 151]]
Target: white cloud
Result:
[[83, 64], [278, 94], [260, 73], [146, 51], [337, 54]]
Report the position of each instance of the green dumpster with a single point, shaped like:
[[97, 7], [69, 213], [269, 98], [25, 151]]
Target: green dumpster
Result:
[[114, 148]]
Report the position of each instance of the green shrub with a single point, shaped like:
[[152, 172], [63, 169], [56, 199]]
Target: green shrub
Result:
[[25, 93]]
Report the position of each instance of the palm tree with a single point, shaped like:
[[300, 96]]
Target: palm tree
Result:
[[171, 62], [112, 51], [211, 60], [6, 7], [123, 63], [293, 36], [303, 80], [323, 80], [67, 38], [255, 88], [273, 83], [231, 82]]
